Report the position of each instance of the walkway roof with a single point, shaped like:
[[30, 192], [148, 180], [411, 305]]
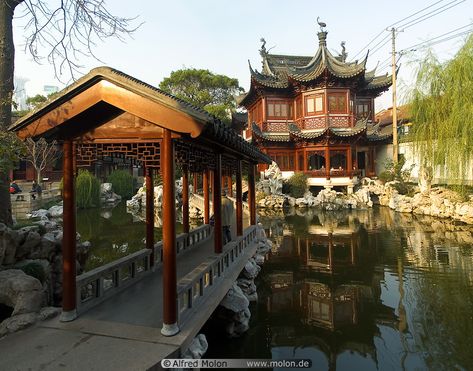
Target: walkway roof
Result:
[[101, 106]]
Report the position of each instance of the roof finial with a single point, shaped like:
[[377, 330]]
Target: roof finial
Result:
[[321, 24], [343, 54], [263, 47]]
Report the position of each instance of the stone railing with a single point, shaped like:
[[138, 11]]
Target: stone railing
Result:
[[25, 202], [197, 285], [99, 284]]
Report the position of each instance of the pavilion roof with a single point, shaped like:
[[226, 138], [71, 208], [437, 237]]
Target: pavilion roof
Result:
[[281, 71], [105, 89]]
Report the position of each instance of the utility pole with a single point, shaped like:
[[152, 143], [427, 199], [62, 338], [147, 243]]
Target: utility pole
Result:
[[395, 141]]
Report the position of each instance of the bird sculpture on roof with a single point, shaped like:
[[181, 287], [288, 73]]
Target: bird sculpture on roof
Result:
[[321, 24], [263, 47]]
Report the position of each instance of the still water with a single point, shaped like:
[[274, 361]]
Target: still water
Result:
[[368, 290], [113, 233]]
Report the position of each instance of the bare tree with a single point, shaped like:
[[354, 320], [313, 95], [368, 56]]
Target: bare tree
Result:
[[66, 29], [40, 154]]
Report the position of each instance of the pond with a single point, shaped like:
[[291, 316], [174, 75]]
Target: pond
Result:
[[113, 233], [367, 290]]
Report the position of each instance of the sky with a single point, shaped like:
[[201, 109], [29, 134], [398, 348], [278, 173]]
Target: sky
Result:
[[222, 36]]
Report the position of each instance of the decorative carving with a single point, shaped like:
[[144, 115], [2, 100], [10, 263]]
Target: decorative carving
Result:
[[275, 127], [339, 121], [314, 123], [148, 152]]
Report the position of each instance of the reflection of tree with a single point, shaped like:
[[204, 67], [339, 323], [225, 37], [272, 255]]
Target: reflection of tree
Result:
[[444, 319], [110, 238]]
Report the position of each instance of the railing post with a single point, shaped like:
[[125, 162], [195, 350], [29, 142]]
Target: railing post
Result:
[[69, 299], [185, 198], [206, 191], [252, 193], [239, 199], [170, 326], [217, 203], [349, 163], [149, 211], [327, 162]]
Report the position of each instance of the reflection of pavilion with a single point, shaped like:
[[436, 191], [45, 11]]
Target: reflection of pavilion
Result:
[[325, 253], [330, 289], [329, 308]]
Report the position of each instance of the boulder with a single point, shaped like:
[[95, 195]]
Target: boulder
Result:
[[105, 188], [17, 323], [21, 292], [251, 269], [48, 246], [48, 312], [235, 300], [41, 214], [55, 211], [8, 245], [30, 246], [197, 348]]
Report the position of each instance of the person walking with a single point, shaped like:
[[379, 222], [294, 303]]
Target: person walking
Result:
[[35, 190], [227, 216]]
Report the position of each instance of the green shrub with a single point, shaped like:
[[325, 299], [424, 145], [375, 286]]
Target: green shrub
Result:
[[35, 270], [395, 172], [87, 190], [297, 185], [122, 183]]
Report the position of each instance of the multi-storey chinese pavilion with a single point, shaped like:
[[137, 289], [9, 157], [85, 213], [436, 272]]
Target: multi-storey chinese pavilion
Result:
[[316, 114]]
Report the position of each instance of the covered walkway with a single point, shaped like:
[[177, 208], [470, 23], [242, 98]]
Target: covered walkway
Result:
[[160, 288]]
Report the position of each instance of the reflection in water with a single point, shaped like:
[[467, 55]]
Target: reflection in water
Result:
[[362, 291], [113, 233]]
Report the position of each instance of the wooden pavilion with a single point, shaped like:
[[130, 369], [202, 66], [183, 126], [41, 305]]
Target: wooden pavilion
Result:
[[108, 113], [315, 114]]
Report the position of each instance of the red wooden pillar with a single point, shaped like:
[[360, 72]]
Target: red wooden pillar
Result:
[[195, 183], [349, 163], [327, 162], [170, 327], [185, 199], [239, 200], [373, 155], [211, 174], [206, 191], [252, 193], [217, 203], [304, 157], [149, 212], [229, 182], [69, 312]]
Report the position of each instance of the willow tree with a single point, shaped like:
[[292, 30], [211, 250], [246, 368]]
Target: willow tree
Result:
[[64, 30], [441, 110]]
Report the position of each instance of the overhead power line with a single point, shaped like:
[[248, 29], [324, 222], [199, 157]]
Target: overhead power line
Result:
[[412, 22], [436, 40], [413, 14], [430, 14]]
